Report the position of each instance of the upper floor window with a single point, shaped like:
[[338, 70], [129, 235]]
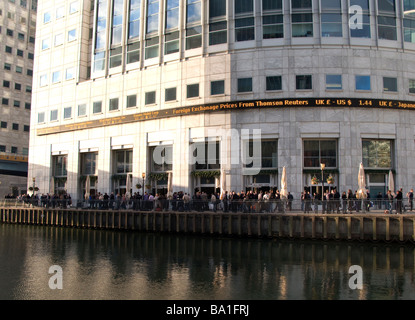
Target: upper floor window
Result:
[[134, 19], [409, 21], [272, 19], [331, 18], [47, 17], [387, 19], [301, 18], [244, 20]]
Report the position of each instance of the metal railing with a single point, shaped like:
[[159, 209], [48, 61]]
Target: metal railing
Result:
[[235, 205]]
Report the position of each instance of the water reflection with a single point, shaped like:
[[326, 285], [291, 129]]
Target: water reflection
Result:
[[125, 265]]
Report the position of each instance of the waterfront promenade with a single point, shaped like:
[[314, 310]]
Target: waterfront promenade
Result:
[[374, 225]]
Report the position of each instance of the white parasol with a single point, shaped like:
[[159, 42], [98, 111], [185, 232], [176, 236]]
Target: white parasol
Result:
[[128, 187], [284, 190], [169, 184], [391, 183], [87, 187], [361, 192]]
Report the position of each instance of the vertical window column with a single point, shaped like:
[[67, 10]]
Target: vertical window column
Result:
[[152, 29], [133, 44], [218, 25], [364, 31], [244, 20], [409, 21], [193, 24], [387, 19], [100, 35], [301, 18], [116, 33], [331, 18], [172, 33], [272, 19]]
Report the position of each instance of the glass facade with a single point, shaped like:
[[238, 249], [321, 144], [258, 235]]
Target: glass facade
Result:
[[166, 22]]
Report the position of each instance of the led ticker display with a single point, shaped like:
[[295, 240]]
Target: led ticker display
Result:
[[224, 106]]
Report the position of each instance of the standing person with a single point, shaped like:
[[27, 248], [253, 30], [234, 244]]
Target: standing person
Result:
[[350, 200], [307, 202], [398, 198], [410, 196], [290, 201], [344, 202], [379, 198], [390, 200], [336, 199]]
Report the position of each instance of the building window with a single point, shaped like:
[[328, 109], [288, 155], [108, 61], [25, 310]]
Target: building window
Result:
[[13, 149], [17, 86], [245, 85], [273, 83], [334, 82], [27, 105], [8, 49], [150, 97], [9, 32], [117, 17], [67, 113], [6, 84], [301, 18], [16, 103], [45, 44], [58, 39], [193, 21], [132, 101], [217, 87], [99, 61], [73, 7], [46, 17], [192, 90], [20, 36], [15, 126], [97, 107], [387, 19], [320, 151], [19, 69], [113, 104], [272, 19], [56, 77], [217, 22], [7, 66], [363, 83], [152, 16], [70, 73], [152, 48], [409, 21], [161, 158], [377, 153], [303, 82], [54, 115], [59, 165], [19, 53], [26, 128], [390, 84], [268, 158], [244, 20], [41, 117], [123, 165], [193, 37], [71, 35], [30, 56], [82, 109], [89, 163], [29, 72], [134, 19], [60, 12], [2, 148], [133, 52], [172, 14], [331, 18], [411, 85], [115, 57], [29, 89], [101, 24], [3, 125], [5, 101], [205, 155], [171, 42], [170, 94]]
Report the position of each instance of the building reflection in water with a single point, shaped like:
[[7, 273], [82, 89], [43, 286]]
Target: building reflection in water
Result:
[[125, 265]]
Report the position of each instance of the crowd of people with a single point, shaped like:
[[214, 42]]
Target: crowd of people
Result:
[[332, 201]]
